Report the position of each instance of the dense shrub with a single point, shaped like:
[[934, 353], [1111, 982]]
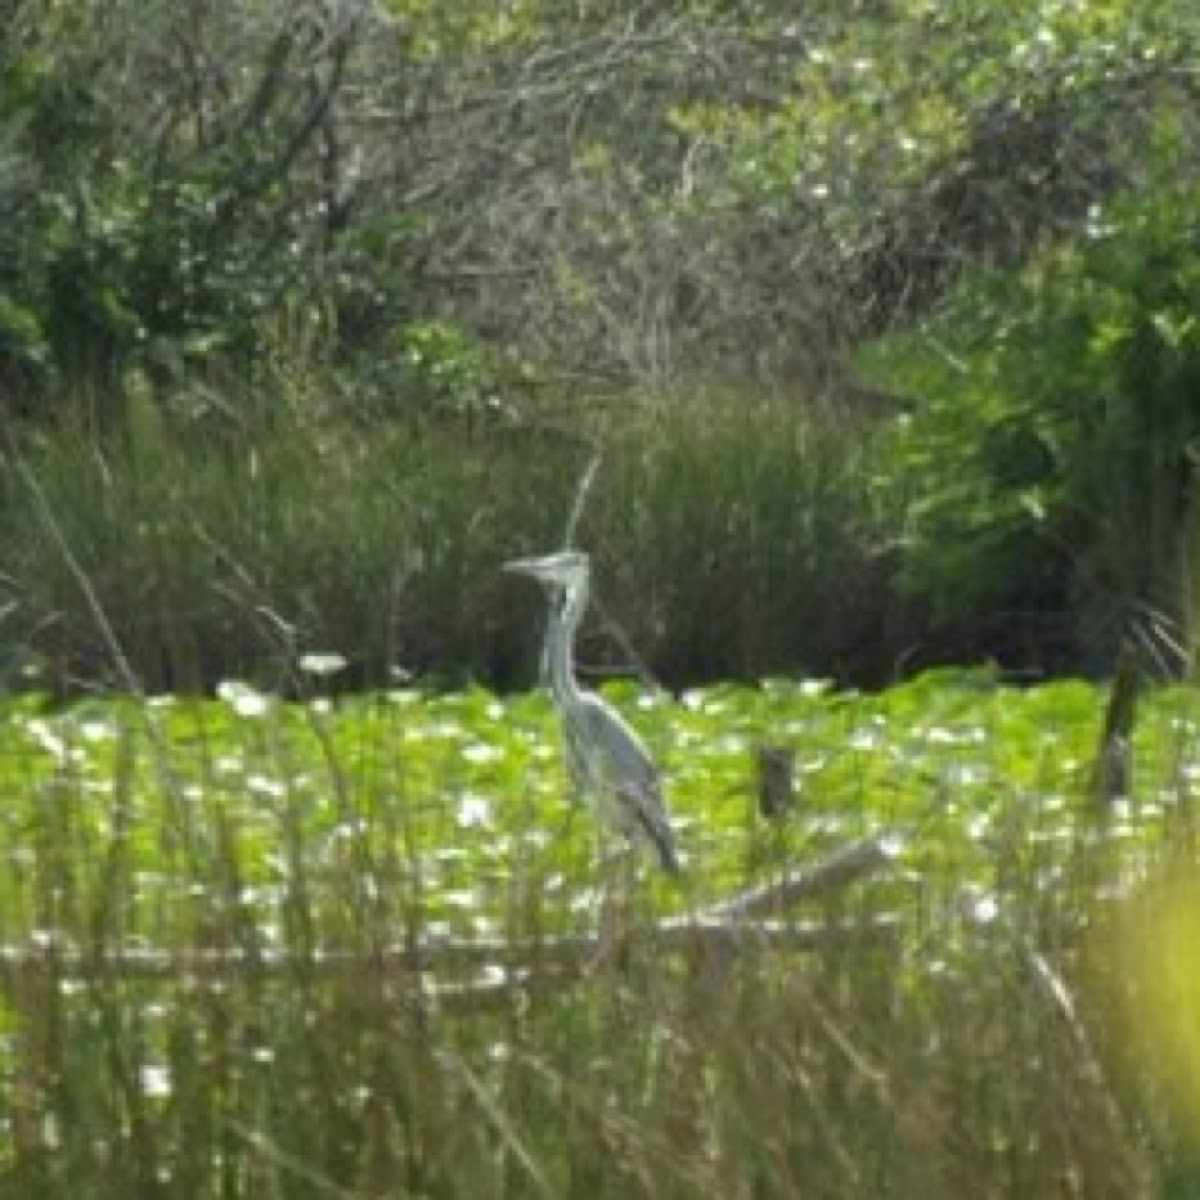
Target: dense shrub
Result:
[[1048, 461]]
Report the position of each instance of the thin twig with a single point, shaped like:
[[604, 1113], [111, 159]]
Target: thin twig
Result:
[[128, 676], [842, 867], [443, 957], [1057, 996], [581, 493], [496, 1115], [289, 1163], [108, 635]]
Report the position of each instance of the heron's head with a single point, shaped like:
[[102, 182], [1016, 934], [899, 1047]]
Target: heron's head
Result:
[[565, 570]]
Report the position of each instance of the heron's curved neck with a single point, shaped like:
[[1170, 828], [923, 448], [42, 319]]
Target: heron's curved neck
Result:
[[565, 614]]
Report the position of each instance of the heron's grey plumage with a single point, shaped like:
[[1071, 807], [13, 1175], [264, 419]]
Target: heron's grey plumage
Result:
[[606, 758]]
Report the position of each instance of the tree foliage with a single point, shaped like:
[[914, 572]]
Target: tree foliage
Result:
[[696, 186]]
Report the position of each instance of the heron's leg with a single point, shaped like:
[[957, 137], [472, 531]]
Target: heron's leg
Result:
[[566, 823], [619, 868], [575, 801]]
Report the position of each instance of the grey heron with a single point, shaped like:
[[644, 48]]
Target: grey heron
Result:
[[606, 758]]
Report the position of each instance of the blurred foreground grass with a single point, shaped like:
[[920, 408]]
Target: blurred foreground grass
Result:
[[223, 922]]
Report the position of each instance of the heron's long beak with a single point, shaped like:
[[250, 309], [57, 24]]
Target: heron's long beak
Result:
[[524, 566], [553, 570]]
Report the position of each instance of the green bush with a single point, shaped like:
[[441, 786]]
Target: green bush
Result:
[[1048, 458], [153, 207]]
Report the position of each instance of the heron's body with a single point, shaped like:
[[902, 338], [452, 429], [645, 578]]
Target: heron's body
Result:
[[608, 761]]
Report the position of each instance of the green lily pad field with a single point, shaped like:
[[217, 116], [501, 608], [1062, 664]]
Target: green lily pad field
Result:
[[256, 947]]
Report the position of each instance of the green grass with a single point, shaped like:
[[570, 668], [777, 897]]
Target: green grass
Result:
[[221, 542], [209, 906]]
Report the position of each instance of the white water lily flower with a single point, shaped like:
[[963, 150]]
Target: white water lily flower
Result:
[[243, 699], [322, 664]]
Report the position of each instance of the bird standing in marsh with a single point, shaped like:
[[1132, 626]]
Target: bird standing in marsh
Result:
[[607, 760]]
